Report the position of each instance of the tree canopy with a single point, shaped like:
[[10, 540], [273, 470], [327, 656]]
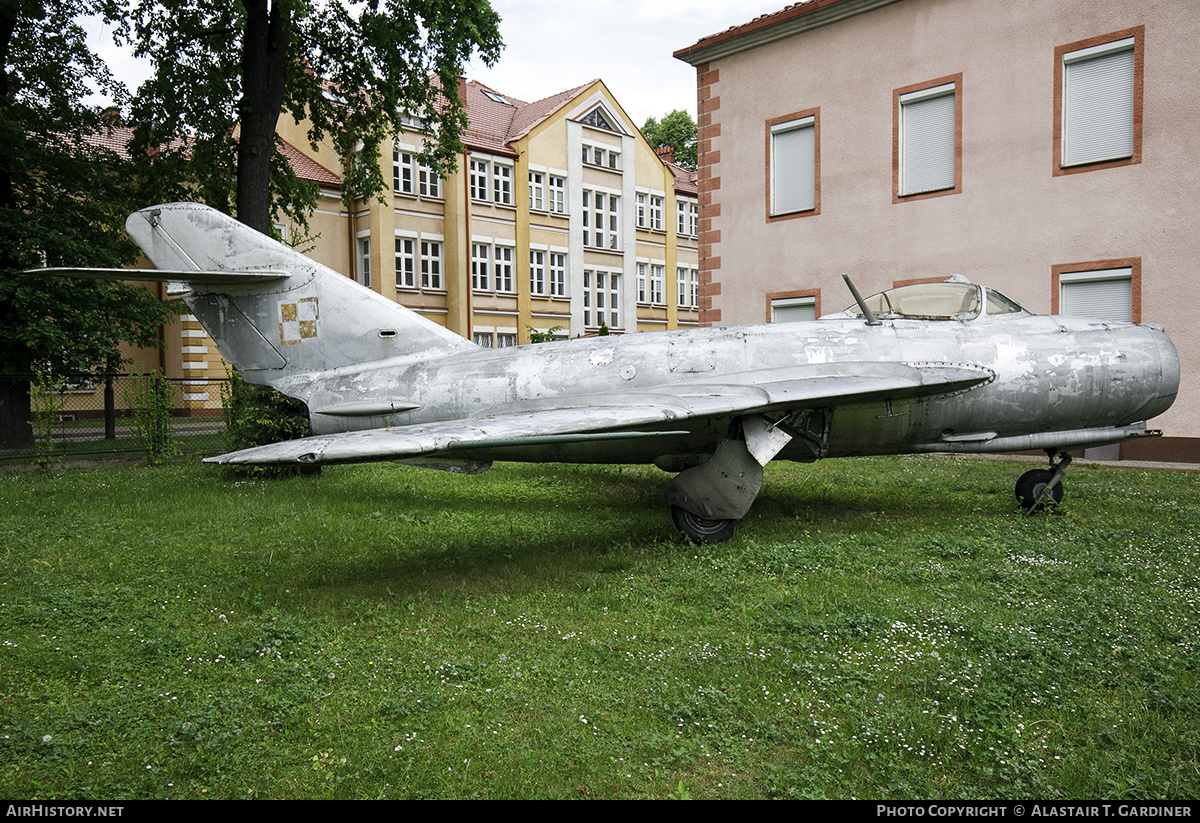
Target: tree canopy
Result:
[[676, 130], [64, 197], [356, 73]]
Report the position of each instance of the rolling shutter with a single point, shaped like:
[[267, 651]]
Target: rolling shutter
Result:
[[793, 166], [1106, 295], [927, 138], [1098, 103]]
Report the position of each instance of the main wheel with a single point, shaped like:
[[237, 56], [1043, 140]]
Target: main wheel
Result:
[[700, 529], [1030, 486]]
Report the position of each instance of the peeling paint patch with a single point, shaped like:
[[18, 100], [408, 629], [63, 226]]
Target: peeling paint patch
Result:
[[601, 357]]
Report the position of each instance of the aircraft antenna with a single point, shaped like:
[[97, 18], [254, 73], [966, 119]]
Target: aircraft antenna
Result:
[[872, 320]]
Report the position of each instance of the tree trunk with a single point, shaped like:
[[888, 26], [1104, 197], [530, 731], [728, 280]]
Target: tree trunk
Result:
[[264, 67], [16, 411]]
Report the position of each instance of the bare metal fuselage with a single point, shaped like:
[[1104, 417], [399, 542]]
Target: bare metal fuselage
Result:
[[1038, 375]]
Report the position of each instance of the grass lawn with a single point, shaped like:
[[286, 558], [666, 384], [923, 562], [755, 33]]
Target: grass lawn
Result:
[[882, 628]]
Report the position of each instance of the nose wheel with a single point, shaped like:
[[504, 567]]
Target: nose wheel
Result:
[[1039, 488]]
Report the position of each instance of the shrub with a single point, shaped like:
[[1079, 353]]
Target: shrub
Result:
[[257, 415]]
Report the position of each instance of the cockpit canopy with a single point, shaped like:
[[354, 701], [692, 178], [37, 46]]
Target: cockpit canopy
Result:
[[954, 299]]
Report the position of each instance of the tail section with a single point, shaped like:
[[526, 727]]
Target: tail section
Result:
[[283, 314]]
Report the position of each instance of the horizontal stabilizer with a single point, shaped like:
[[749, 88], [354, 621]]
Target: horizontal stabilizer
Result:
[[205, 278]]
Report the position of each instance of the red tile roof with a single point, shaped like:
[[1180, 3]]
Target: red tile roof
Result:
[[306, 168], [118, 138], [686, 182], [528, 116], [115, 139], [494, 125]]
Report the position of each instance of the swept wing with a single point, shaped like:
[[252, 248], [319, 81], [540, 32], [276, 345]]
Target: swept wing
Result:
[[664, 410]]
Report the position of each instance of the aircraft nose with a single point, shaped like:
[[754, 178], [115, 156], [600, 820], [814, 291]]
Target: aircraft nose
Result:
[[1168, 374], [1159, 379]]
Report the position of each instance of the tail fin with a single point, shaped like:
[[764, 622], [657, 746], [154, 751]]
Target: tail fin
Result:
[[300, 318]]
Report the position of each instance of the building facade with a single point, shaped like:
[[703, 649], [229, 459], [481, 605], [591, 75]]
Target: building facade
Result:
[[1048, 151], [559, 220]]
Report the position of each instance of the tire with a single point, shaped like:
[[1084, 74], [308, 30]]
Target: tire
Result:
[[1030, 486], [702, 530]]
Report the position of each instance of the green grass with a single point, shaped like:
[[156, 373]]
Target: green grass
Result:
[[884, 628]]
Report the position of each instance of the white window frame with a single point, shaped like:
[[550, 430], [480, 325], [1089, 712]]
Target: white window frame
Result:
[[557, 273], [406, 261], [481, 261], [537, 272], [601, 219], [556, 187], [502, 184], [794, 166], [928, 136], [430, 184], [364, 260], [480, 179], [602, 298], [404, 171], [657, 203], [687, 287], [658, 284], [502, 269], [537, 191], [602, 156], [431, 264], [412, 177]]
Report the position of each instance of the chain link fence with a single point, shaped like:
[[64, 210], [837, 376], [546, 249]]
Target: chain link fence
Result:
[[51, 419]]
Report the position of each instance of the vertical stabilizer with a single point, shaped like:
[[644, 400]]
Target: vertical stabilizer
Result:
[[311, 320]]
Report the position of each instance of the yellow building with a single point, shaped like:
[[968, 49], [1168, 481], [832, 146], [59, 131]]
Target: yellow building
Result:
[[559, 216]]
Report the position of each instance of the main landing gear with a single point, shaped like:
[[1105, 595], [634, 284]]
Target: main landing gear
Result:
[[709, 501], [1039, 488]]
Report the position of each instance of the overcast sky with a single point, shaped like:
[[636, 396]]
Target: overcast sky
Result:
[[553, 45]]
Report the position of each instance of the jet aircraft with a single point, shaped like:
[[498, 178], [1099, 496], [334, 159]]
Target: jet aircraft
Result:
[[938, 367]]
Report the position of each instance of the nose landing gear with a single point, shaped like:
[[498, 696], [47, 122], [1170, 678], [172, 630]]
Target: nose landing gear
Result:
[[1039, 488]]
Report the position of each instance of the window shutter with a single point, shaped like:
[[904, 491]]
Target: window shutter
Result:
[[1098, 98], [1106, 295], [927, 135], [793, 165], [793, 310]]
